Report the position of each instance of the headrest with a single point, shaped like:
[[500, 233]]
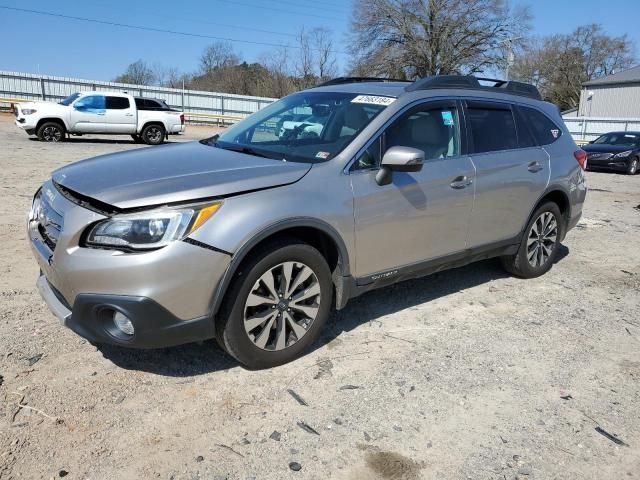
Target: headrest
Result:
[[429, 130], [354, 116]]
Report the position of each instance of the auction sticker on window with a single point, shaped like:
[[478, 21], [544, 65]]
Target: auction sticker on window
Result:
[[373, 100]]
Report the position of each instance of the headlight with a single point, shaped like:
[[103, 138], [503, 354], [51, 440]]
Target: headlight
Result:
[[623, 154], [28, 111], [149, 230]]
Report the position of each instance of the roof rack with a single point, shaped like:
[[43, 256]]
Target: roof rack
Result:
[[473, 83], [343, 80]]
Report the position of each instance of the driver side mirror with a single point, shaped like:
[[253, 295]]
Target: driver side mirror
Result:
[[79, 106], [399, 159]]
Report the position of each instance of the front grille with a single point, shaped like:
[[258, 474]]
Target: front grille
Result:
[[49, 222], [598, 156]]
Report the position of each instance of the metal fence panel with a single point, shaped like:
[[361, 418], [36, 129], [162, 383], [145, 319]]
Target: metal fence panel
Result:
[[52, 88], [585, 129]]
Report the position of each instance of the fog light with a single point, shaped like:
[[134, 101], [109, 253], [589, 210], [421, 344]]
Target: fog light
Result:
[[123, 323]]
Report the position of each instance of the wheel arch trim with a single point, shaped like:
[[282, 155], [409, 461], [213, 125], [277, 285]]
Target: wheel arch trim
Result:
[[241, 253]]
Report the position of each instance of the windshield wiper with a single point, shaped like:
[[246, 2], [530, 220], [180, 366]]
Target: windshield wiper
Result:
[[243, 149]]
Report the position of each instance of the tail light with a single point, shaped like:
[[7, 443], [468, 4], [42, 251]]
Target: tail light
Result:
[[581, 158], [182, 118]]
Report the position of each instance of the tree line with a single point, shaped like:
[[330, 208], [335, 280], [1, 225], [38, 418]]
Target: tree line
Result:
[[409, 39]]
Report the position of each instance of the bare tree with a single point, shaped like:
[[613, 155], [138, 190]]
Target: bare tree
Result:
[[560, 64], [138, 73], [218, 55], [322, 43], [316, 60], [416, 38], [280, 81]]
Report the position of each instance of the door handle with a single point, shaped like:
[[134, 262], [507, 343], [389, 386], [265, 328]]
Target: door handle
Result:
[[534, 167], [461, 182], [128, 114]]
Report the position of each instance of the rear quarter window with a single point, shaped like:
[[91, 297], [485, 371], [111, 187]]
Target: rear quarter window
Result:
[[544, 130]]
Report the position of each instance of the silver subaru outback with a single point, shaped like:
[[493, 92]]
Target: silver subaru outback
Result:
[[252, 236]]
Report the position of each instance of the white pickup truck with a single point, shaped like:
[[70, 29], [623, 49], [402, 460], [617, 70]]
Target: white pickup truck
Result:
[[146, 120]]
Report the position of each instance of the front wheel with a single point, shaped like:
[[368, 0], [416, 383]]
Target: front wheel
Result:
[[276, 306], [632, 167], [51, 132], [539, 245], [153, 134]]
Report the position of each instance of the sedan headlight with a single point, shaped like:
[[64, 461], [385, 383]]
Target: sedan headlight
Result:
[[28, 111], [623, 154], [149, 230]]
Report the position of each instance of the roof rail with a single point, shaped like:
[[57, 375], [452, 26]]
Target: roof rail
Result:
[[470, 82], [343, 80]]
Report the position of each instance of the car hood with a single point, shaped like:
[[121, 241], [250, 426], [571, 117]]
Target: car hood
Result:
[[604, 148], [174, 173], [49, 106]]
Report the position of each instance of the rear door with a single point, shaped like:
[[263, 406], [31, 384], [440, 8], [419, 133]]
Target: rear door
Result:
[[512, 171], [419, 216], [120, 116], [87, 114]]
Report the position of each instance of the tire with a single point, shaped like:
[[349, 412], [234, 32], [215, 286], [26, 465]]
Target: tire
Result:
[[259, 344], [51, 132], [137, 138], [632, 167], [153, 134], [520, 263]]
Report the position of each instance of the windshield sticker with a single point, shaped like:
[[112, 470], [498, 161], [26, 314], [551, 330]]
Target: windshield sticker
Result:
[[555, 133], [323, 155], [373, 100], [447, 118]]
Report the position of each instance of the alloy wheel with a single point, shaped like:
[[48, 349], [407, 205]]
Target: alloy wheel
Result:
[[541, 240], [154, 134], [281, 306], [51, 134]]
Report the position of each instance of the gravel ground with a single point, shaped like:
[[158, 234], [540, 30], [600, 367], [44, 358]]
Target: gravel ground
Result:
[[467, 374]]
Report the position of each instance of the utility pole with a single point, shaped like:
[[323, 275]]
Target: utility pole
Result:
[[510, 56]]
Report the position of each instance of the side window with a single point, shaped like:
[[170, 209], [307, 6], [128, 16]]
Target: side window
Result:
[[434, 130], [370, 158], [492, 127], [117, 103], [525, 135], [545, 130], [89, 103]]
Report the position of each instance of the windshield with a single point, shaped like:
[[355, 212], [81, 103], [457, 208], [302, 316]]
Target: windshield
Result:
[[619, 139], [304, 127], [69, 100]]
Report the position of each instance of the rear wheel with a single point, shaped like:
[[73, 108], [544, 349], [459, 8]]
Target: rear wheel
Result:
[[276, 306], [51, 132], [632, 166], [153, 134], [539, 244]]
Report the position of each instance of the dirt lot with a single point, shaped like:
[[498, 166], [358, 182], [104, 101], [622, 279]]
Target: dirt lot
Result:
[[467, 374]]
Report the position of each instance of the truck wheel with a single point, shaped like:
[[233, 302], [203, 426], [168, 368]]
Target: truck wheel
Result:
[[276, 306], [51, 132], [153, 134], [137, 138]]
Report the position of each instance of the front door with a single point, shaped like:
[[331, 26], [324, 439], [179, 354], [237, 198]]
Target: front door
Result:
[[419, 216], [87, 114]]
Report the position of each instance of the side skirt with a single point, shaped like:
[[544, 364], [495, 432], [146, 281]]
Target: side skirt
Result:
[[358, 286]]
